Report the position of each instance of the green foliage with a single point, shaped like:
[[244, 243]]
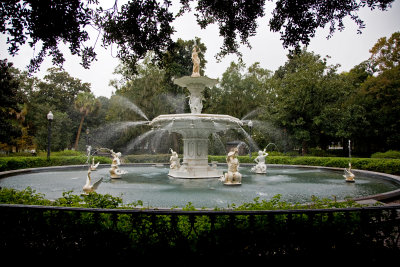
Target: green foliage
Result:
[[275, 203], [95, 200], [390, 166], [9, 103], [138, 27], [147, 158], [298, 21], [106, 201], [14, 163], [26, 197], [67, 153], [391, 154], [306, 91], [31, 20]]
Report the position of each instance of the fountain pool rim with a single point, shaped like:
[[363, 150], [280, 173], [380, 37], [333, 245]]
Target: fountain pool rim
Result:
[[376, 175]]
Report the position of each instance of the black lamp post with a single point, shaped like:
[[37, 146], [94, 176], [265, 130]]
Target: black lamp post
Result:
[[250, 124], [50, 119]]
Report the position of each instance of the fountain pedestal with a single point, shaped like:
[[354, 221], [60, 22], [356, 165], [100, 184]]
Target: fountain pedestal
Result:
[[195, 161], [195, 129]]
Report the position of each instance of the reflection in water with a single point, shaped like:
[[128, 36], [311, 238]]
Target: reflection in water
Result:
[[155, 188]]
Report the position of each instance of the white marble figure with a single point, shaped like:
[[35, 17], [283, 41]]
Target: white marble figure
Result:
[[261, 167], [348, 175], [196, 103], [88, 150], [116, 157], [196, 62], [174, 160], [88, 187], [93, 166], [115, 172], [232, 177]]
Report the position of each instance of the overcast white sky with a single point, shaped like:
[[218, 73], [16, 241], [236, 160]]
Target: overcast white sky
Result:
[[346, 48]]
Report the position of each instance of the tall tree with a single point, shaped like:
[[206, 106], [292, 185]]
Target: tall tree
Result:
[[86, 103], [380, 97], [385, 54], [9, 86], [305, 87], [59, 88], [239, 91]]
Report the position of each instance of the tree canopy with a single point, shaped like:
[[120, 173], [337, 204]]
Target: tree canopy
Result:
[[140, 26]]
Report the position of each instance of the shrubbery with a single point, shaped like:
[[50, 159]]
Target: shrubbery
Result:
[[147, 158], [14, 163], [391, 154], [107, 201], [390, 166]]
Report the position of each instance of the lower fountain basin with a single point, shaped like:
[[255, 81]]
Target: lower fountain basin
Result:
[[152, 185], [195, 130]]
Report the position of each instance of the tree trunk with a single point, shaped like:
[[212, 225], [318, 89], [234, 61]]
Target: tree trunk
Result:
[[304, 149], [79, 133]]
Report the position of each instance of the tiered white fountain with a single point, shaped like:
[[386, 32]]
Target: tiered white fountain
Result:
[[195, 127]]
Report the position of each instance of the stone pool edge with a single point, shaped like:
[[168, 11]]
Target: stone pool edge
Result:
[[391, 197]]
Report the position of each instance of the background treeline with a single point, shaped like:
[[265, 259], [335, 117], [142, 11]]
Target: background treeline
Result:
[[306, 105]]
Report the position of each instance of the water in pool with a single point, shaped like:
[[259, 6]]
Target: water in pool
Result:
[[152, 185]]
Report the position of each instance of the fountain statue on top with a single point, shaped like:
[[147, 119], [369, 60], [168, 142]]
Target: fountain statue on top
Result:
[[196, 62], [195, 127], [261, 167], [232, 177], [115, 172]]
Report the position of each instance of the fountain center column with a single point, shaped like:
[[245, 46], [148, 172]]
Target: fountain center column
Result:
[[196, 86], [195, 152]]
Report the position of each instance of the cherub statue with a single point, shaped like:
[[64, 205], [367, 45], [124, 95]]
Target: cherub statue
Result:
[[232, 177], [116, 157], [115, 172], [260, 160], [174, 160]]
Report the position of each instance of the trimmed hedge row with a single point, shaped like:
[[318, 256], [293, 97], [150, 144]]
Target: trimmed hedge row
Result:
[[14, 163], [146, 158], [390, 166]]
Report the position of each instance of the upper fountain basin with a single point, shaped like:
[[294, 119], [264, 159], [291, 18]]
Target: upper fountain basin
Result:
[[209, 123]]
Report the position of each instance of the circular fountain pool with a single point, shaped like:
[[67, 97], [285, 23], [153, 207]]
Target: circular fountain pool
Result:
[[152, 185]]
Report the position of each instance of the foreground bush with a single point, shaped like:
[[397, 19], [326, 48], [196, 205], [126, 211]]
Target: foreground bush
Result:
[[189, 237]]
